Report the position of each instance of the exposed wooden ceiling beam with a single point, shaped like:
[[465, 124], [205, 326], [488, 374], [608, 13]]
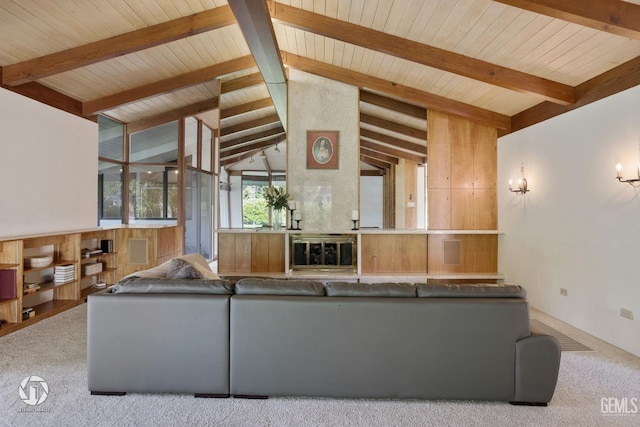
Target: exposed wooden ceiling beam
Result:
[[419, 97], [613, 16], [228, 144], [379, 156], [255, 23], [392, 151], [259, 145], [393, 104], [169, 116], [165, 86], [367, 172], [256, 148], [393, 126], [48, 96], [621, 78], [375, 162], [241, 83], [268, 120], [245, 108], [396, 142], [119, 45], [422, 54]]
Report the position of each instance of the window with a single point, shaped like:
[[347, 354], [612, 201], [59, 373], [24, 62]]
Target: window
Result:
[[110, 139], [110, 167], [255, 212], [153, 192], [155, 145], [109, 191]]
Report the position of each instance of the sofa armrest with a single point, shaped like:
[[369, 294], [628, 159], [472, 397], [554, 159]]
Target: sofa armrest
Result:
[[537, 365]]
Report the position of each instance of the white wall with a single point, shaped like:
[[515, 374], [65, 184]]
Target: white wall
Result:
[[49, 169], [324, 197], [578, 228]]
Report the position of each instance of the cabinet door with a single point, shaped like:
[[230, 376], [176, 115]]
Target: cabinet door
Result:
[[226, 252], [368, 253], [414, 253], [389, 250], [267, 253], [243, 253]]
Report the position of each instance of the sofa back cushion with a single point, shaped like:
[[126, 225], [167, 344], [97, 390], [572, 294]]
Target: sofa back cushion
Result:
[[141, 285], [259, 286], [389, 290], [469, 290]]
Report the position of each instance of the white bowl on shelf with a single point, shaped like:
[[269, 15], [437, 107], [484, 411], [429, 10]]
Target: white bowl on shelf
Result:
[[38, 261]]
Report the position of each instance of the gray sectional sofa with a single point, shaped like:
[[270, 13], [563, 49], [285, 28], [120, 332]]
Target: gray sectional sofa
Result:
[[261, 337]]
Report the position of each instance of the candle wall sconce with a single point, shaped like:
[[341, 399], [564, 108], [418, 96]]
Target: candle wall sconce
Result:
[[522, 187], [634, 182]]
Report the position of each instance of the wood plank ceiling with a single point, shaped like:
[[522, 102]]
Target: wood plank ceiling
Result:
[[505, 63]]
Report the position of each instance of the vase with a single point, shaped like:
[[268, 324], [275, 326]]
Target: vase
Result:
[[277, 219]]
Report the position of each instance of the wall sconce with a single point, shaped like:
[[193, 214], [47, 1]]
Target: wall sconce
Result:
[[634, 182], [522, 183]]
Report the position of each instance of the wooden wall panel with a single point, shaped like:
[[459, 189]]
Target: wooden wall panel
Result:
[[462, 153], [469, 165], [485, 209], [439, 208], [462, 209], [485, 164], [439, 165]]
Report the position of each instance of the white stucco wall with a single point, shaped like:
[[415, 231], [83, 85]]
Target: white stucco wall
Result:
[[578, 228]]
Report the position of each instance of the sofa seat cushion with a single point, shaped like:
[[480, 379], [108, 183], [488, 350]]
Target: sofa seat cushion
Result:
[[259, 286], [141, 285], [470, 290], [389, 290]]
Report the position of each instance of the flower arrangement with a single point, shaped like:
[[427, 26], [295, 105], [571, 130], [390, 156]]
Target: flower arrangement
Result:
[[277, 197]]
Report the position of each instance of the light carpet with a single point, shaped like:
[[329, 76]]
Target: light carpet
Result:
[[55, 349]]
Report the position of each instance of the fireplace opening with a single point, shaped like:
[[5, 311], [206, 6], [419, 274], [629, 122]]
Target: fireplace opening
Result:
[[320, 252]]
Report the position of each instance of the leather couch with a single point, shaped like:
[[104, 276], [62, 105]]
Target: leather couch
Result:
[[262, 337]]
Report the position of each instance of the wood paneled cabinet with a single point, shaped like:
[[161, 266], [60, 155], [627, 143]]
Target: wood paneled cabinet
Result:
[[251, 253], [462, 174], [463, 253], [393, 253], [267, 253]]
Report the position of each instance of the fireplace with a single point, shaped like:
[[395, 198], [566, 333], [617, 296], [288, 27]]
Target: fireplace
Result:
[[323, 252]]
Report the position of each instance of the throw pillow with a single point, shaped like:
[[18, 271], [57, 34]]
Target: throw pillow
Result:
[[181, 269]]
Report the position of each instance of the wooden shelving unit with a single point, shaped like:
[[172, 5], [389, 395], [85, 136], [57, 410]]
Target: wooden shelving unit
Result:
[[51, 298]]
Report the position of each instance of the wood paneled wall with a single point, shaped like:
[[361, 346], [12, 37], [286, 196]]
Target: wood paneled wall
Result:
[[462, 161]]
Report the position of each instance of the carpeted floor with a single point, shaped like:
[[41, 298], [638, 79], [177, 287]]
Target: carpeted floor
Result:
[[55, 350]]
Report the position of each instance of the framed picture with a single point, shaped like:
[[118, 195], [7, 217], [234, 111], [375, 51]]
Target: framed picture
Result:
[[322, 149]]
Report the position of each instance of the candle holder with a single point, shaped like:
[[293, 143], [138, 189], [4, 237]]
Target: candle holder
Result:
[[291, 215], [297, 225], [355, 224]]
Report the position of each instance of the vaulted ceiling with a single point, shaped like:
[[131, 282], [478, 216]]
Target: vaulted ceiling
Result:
[[506, 63]]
